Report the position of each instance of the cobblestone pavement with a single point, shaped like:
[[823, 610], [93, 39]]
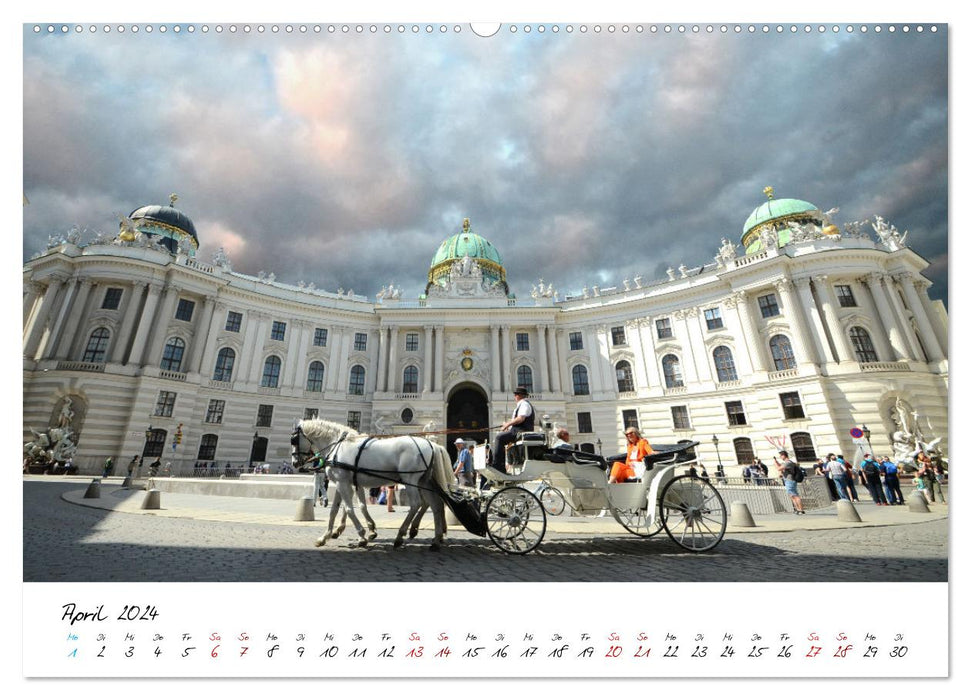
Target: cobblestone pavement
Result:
[[68, 542]]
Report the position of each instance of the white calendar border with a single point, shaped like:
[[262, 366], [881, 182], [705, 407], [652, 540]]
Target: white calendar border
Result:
[[509, 12]]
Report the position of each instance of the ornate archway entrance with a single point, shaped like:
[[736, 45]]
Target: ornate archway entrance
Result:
[[468, 413]]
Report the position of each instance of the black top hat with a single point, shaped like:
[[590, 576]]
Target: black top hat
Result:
[[520, 391]]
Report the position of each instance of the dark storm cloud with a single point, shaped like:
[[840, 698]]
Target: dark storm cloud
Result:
[[346, 160]]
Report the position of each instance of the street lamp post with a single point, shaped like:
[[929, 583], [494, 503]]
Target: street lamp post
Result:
[[600, 447], [866, 435], [714, 441]]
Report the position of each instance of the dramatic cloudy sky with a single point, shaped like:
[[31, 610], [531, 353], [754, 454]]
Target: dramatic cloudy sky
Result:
[[585, 158]]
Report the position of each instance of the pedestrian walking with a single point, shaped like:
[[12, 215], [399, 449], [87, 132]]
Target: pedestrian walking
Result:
[[108, 469], [850, 479], [870, 470], [837, 472], [891, 480], [791, 474], [463, 469], [132, 464]]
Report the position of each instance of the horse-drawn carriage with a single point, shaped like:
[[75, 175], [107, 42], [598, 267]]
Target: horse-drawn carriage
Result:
[[688, 508]]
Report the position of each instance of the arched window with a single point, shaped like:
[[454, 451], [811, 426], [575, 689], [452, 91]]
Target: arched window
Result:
[[802, 447], [862, 345], [724, 364], [271, 372], [356, 384], [207, 447], [409, 380], [625, 378], [172, 355], [782, 353], [97, 345], [225, 361], [524, 377], [743, 450], [672, 371], [581, 382], [315, 376], [155, 443]]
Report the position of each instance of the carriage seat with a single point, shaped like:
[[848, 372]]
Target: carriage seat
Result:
[[531, 439], [502, 477]]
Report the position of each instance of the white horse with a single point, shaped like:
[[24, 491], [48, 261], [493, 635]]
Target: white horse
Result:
[[355, 461]]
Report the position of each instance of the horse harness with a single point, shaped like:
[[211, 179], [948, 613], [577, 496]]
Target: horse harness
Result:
[[329, 459]]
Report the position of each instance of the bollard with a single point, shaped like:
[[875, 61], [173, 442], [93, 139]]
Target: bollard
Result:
[[94, 489], [305, 510], [741, 516], [917, 503], [152, 500], [846, 512]]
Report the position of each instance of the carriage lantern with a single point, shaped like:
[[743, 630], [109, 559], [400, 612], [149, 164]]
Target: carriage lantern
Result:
[[714, 441]]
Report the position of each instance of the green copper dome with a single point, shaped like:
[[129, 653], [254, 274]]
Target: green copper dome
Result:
[[466, 242], [777, 209]]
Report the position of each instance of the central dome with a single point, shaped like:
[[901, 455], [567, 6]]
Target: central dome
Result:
[[466, 244], [168, 223], [776, 214]]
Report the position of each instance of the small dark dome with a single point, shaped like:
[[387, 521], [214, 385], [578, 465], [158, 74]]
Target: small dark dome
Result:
[[167, 216]]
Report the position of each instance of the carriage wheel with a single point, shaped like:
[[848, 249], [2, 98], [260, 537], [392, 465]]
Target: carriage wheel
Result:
[[693, 513], [515, 520], [553, 500], [635, 522]]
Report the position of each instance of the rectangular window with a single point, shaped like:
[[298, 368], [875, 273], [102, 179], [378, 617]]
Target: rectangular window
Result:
[[576, 340], [522, 341], [234, 320], [630, 419], [279, 331], [679, 415], [360, 342], [311, 413], [214, 414], [184, 310], [264, 416], [844, 293], [768, 306], [791, 405], [584, 424], [411, 342], [112, 298], [618, 336], [663, 326], [354, 420], [736, 414], [207, 448], [165, 403], [320, 337], [713, 318]]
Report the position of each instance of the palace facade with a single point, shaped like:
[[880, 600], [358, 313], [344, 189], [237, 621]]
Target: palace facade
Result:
[[803, 330]]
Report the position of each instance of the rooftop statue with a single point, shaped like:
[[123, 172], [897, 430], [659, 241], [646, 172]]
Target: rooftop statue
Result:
[[888, 234]]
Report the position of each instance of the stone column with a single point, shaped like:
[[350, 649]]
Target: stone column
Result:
[[42, 317], [294, 356], [380, 381], [32, 290], [688, 365], [544, 365], [216, 318], [335, 341], [801, 345], [74, 315], [808, 302], [930, 308], [201, 332], [645, 331], [133, 300], [891, 340], [751, 337], [843, 349], [256, 331], [554, 359], [439, 359], [699, 350], [910, 338], [495, 359], [344, 362], [393, 360], [426, 371], [933, 348], [504, 349], [161, 323], [145, 323], [374, 352]]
